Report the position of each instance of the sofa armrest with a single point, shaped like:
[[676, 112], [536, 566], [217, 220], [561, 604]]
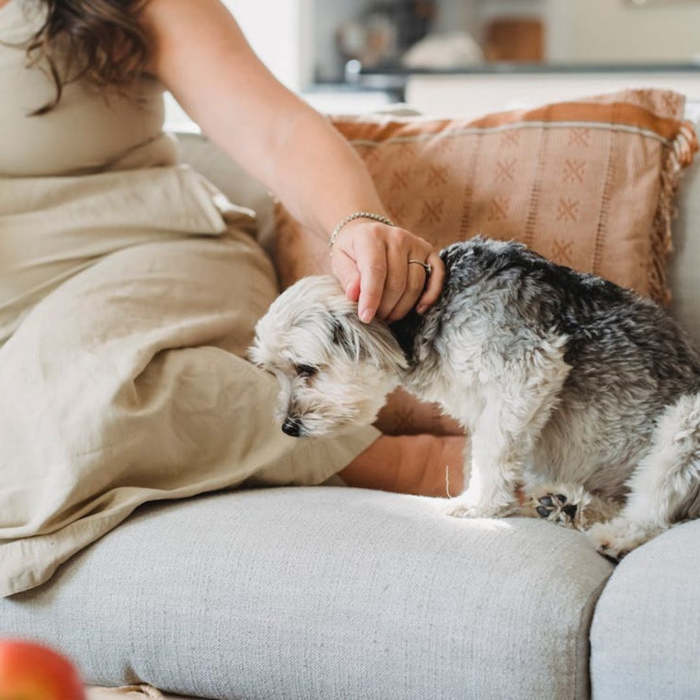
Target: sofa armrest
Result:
[[645, 637]]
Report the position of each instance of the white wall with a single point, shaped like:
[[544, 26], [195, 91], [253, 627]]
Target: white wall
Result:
[[615, 31], [455, 16], [472, 96], [280, 32]]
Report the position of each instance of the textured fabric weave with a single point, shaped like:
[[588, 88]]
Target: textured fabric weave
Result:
[[685, 257], [127, 384], [645, 638], [324, 593]]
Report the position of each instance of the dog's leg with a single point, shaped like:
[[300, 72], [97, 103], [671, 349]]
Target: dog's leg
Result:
[[493, 471], [665, 486], [568, 505], [516, 410]]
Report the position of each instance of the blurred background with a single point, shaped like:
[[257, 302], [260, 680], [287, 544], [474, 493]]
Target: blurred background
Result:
[[467, 57]]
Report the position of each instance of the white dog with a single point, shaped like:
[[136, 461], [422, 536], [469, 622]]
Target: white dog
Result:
[[572, 389]]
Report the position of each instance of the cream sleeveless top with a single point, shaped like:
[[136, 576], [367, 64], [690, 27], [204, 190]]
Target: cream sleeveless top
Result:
[[87, 132], [94, 175]]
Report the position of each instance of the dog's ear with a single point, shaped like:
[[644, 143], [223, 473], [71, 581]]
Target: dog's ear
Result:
[[366, 341]]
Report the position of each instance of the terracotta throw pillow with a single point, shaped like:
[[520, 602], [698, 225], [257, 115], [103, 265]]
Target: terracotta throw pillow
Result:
[[589, 184]]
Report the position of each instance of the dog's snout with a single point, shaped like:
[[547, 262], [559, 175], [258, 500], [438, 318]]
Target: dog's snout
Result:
[[291, 426]]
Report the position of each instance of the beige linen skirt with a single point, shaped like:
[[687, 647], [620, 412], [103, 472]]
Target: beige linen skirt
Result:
[[123, 378]]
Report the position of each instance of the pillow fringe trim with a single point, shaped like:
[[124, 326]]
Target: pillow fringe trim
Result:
[[678, 156]]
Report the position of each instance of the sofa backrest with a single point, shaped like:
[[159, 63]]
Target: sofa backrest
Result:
[[684, 270]]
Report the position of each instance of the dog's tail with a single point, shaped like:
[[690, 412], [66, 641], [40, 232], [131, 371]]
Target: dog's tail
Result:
[[666, 485]]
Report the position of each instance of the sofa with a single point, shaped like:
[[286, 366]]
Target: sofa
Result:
[[339, 593]]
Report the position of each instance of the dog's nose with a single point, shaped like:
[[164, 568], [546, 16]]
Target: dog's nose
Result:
[[291, 427]]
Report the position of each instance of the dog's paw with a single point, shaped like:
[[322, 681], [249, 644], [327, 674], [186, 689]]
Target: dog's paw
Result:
[[567, 505], [558, 508], [617, 538]]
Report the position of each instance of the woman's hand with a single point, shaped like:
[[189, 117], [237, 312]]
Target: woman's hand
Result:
[[289, 147], [371, 262]]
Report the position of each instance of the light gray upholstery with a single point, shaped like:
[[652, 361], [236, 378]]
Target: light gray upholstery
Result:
[[324, 592], [207, 158], [684, 269], [645, 639]]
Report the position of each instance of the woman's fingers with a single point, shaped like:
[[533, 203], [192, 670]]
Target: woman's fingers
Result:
[[345, 269], [371, 259], [371, 262], [398, 277], [417, 277], [435, 282]]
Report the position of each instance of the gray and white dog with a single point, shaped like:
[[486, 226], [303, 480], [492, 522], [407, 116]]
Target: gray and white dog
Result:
[[582, 399]]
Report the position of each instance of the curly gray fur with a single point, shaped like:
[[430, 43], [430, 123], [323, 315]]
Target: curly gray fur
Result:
[[582, 392]]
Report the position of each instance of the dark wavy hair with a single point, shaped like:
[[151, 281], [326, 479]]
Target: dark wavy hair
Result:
[[100, 41]]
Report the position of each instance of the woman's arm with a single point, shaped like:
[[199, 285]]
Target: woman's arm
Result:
[[201, 56]]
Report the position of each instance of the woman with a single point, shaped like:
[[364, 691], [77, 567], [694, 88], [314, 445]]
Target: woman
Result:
[[120, 284]]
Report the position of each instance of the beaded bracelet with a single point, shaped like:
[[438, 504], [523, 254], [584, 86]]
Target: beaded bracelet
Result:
[[352, 217]]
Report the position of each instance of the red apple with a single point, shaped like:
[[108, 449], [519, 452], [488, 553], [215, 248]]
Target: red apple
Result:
[[30, 671]]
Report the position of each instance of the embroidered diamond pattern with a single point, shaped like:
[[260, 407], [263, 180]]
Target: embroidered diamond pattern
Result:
[[510, 137], [579, 136], [504, 169], [573, 170], [567, 210], [498, 208], [432, 212], [437, 175], [400, 179], [561, 252]]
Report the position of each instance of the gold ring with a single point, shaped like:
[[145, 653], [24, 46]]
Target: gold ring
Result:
[[426, 266]]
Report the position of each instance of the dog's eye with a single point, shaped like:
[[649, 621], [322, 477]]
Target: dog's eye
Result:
[[305, 370]]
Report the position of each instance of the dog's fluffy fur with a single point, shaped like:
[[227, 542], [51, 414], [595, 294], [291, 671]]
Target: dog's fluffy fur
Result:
[[574, 391]]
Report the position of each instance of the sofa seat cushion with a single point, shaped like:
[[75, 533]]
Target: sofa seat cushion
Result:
[[645, 636], [323, 592]]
